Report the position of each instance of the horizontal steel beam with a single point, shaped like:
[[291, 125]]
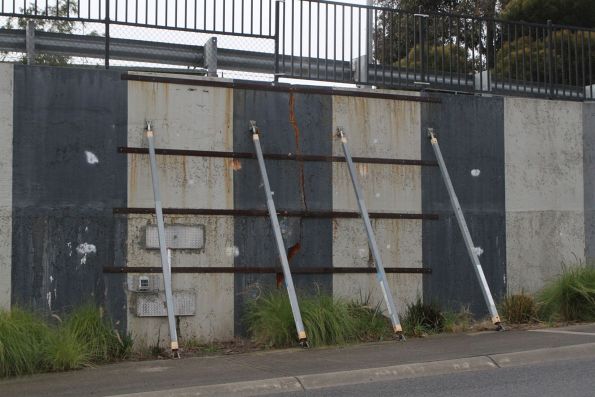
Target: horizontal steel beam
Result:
[[282, 213], [279, 156], [268, 270]]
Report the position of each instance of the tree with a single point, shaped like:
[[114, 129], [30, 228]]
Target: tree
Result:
[[528, 58], [397, 33], [61, 9], [562, 12]]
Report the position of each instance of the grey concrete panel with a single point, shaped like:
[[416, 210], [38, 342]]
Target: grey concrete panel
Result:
[[289, 123], [589, 178], [540, 244], [544, 155], [69, 176], [389, 129], [544, 189], [6, 126], [194, 118], [471, 136]]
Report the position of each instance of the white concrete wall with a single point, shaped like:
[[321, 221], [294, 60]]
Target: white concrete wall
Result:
[[389, 129], [544, 190], [193, 118], [6, 128]]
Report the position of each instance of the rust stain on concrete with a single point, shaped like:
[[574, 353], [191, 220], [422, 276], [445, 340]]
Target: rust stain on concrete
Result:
[[296, 131]]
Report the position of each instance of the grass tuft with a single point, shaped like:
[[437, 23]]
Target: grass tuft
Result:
[[422, 319], [519, 309], [570, 297], [327, 321], [22, 336], [89, 326], [460, 321]]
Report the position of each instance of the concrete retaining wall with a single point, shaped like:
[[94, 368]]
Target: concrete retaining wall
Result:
[[6, 125], [522, 169], [545, 222]]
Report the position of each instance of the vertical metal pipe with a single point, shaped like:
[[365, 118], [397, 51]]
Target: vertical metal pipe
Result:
[[551, 56], [165, 253], [107, 33], [485, 289], [380, 273], [278, 237]]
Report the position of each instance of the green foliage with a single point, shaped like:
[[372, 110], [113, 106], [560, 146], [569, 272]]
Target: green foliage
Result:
[[518, 309], [29, 345], [88, 325], [563, 12], [448, 58], [62, 8], [457, 321], [422, 319], [533, 52], [63, 351], [326, 320], [22, 337], [570, 297]]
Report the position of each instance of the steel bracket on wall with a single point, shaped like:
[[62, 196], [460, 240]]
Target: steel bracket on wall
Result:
[[456, 206]]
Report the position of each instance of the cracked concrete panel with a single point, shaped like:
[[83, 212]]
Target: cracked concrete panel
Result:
[[185, 182], [6, 127], [539, 244], [544, 155], [183, 116], [214, 318], [399, 244]]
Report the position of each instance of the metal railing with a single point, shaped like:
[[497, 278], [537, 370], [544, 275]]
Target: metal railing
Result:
[[333, 41]]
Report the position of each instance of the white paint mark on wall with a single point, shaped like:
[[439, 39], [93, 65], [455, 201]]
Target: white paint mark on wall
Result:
[[51, 279], [478, 251], [232, 251], [377, 195], [85, 249], [91, 157], [49, 298], [69, 245], [362, 252], [388, 246], [475, 172]]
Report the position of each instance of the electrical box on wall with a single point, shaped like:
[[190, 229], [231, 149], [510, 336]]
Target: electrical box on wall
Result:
[[187, 237]]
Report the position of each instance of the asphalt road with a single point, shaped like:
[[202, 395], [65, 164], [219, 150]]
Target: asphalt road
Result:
[[559, 378]]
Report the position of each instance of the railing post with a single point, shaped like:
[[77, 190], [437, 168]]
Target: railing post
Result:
[[30, 42], [107, 34], [277, 16], [422, 57], [551, 56]]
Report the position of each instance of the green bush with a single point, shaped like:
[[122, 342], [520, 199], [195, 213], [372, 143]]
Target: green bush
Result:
[[519, 309], [22, 337], [29, 345], [88, 325], [326, 320], [570, 297], [422, 319]]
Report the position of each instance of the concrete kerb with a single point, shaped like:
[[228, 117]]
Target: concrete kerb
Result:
[[404, 371]]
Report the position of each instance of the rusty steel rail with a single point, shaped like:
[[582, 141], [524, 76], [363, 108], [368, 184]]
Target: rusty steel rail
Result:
[[267, 270], [285, 213], [276, 156], [279, 87]]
